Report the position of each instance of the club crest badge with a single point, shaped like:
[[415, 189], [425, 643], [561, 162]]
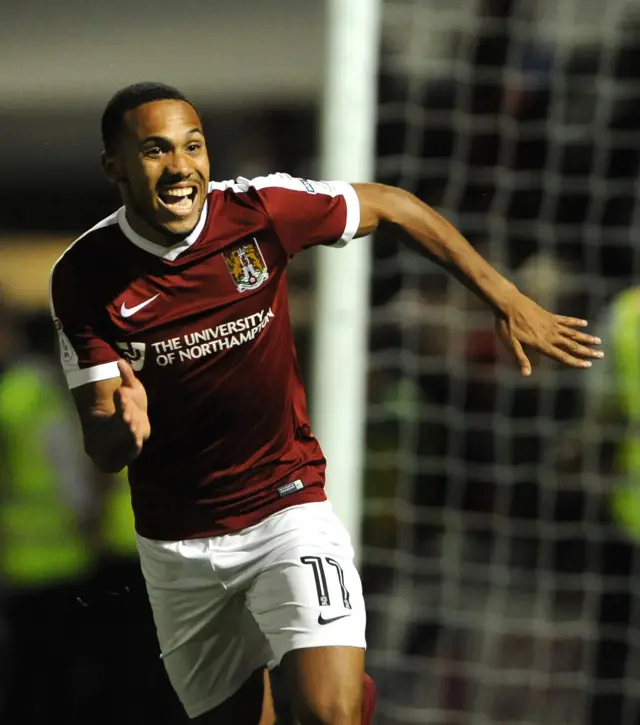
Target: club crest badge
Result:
[[246, 266]]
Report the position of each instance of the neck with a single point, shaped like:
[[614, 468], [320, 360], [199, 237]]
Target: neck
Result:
[[149, 232]]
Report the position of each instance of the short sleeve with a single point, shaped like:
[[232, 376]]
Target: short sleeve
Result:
[[85, 356], [307, 213]]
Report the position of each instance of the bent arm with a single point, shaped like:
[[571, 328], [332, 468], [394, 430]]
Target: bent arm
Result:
[[108, 442], [439, 239]]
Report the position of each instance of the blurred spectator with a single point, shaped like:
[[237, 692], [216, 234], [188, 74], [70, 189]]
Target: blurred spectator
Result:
[[121, 617], [47, 520], [117, 633], [607, 457]]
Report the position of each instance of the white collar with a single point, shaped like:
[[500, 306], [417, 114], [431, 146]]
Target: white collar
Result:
[[168, 253]]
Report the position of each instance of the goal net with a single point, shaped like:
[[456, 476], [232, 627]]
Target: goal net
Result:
[[499, 587]]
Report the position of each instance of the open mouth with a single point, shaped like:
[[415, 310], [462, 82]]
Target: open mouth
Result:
[[179, 200]]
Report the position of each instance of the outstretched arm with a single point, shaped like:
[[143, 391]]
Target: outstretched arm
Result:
[[519, 320]]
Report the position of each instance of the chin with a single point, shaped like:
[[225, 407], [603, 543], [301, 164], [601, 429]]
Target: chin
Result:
[[176, 227], [180, 229], [173, 219]]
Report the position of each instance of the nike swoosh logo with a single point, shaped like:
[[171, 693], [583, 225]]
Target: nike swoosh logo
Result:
[[322, 620], [128, 311]]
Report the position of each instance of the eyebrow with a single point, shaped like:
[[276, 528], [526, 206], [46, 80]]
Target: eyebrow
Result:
[[164, 139], [155, 139]]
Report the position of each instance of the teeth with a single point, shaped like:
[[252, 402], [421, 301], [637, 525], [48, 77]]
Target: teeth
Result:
[[177, 192], [179, 200]]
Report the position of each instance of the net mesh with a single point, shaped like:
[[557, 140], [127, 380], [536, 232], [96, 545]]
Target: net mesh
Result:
[[499, 588]]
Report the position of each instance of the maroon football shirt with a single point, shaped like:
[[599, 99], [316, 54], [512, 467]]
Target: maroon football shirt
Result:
[[205, 325]]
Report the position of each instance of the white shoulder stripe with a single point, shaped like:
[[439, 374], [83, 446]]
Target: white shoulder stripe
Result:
[[286, 181], [224, 185], [281, 181]]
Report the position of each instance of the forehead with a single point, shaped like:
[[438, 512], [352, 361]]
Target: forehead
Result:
[[162, 118]]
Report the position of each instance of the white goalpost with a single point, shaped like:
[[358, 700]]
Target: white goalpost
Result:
[[339, 360]]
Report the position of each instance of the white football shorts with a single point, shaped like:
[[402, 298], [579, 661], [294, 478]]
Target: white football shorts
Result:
[[228, 605]]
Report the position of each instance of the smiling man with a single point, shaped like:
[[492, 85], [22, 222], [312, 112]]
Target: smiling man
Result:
[[163, 201], [175, 339]]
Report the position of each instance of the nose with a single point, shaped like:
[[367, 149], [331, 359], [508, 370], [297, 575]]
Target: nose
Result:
[[178, 164]]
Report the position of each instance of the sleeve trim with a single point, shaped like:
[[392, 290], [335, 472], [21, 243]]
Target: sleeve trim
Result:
[[353, 213], [106, 371]]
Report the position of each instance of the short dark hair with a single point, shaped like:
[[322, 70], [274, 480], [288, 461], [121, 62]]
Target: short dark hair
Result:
[[129, 98]]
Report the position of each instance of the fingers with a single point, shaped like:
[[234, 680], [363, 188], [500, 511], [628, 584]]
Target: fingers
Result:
[[574, 345], [568, 352], [578, 349], [579, 344], [126, 373], [137, 431], [554, 336], [571, 321], [581, 337], [124, 407], [566, 358], [117, 401], [522, 359], [513, 345], [134, 419]]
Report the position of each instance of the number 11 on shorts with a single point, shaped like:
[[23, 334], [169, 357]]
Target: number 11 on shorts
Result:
[[317, 565]]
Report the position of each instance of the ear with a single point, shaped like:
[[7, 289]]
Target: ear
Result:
[[111, 168]]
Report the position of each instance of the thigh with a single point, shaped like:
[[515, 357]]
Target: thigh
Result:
[[209, 641], [326, 684], [308, 593]]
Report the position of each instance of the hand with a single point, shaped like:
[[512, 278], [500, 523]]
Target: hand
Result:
[[130, 400], [526, 323]]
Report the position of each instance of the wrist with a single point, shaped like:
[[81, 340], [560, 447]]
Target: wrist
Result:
[[502, 296]]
